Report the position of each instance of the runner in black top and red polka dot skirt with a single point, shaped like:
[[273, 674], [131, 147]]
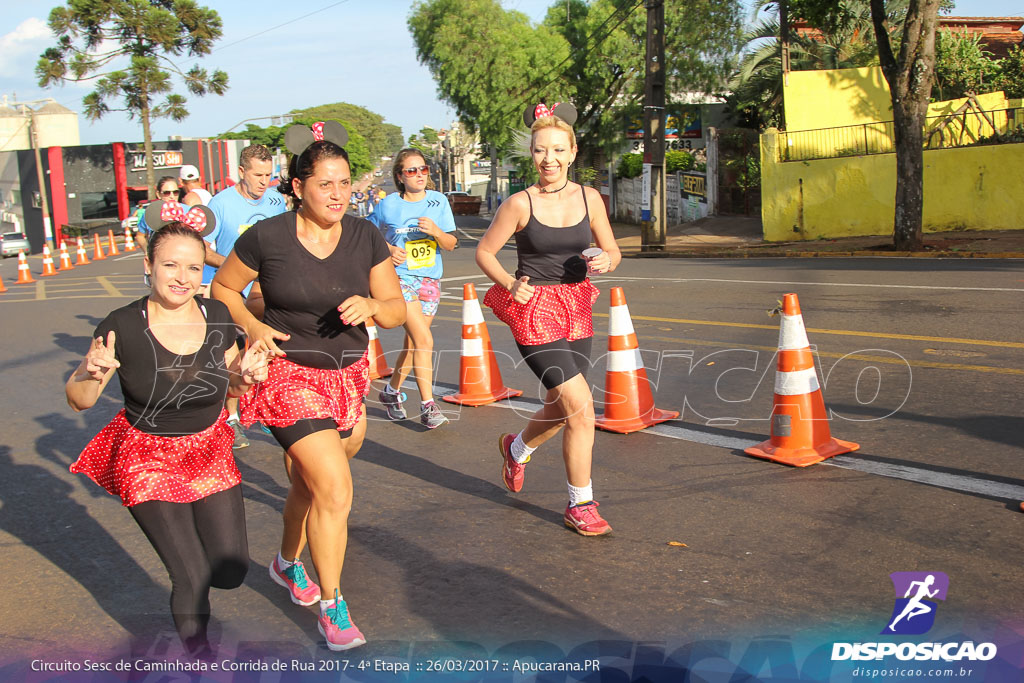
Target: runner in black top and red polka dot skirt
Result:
[[548, 305], [323, 274], [167, 454]]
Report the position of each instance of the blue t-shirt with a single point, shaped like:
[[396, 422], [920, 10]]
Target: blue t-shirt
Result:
[[397, 219], [236, 214]]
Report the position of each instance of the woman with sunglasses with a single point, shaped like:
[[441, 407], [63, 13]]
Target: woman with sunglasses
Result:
[[417, 222], [166, 191]]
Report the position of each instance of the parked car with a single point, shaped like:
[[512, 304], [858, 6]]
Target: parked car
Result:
[[13, 242], [463, 203]]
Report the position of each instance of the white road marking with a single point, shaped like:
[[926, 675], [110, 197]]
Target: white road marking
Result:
[[811, 284], [956, 482]]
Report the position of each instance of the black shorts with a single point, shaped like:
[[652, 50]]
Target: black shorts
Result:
[[557, 362], [288, 436]]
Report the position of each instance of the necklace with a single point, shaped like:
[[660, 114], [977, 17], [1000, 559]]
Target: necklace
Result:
[[543, 191]]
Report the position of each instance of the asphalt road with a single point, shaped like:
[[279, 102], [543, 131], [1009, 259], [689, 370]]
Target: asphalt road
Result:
[[922, 363]]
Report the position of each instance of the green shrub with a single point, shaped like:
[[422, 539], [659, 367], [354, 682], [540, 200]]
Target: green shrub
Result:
[[630, 166], [678, 160]]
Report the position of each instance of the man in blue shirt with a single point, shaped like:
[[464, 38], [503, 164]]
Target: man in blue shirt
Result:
[[238, 208]]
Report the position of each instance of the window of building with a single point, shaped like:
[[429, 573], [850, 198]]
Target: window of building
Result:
[[99, 204]]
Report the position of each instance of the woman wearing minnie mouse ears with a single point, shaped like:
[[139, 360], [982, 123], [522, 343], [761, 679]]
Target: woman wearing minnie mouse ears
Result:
[[167, 453], [323, 273], [548, 304]]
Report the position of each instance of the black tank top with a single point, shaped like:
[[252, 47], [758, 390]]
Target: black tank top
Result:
[[551, 256]]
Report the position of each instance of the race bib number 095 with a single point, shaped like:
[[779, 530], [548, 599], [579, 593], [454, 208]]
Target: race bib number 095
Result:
[[421, 253]]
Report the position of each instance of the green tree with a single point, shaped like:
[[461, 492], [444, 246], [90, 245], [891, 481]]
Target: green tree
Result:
[[963, 65], [425, 142], [381, 139], [1012, 66], [910, 72], [359, 157], [96, 37]]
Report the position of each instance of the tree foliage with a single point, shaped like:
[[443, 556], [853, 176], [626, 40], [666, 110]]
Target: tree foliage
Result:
[[131, 46], [1012, 66], [382, 139], [963, 65], [424, 141]]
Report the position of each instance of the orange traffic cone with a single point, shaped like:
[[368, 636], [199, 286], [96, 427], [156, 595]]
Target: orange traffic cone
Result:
[[479, 377], [378, 365], [129, 243], [799, 434], [98, 254], [65, 259], [24, 275], [2, 288], [48, 268], [82, 260], [113, 245], [629, 406]]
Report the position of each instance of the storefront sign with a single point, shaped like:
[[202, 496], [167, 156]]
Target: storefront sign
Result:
[[694, 185], [161, 159]]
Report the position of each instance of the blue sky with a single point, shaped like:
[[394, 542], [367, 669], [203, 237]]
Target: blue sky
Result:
[[353, 51]]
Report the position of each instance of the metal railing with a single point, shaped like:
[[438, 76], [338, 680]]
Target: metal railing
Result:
[[954, 129]]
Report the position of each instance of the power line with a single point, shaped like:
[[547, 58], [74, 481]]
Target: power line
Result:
[[274, 28]]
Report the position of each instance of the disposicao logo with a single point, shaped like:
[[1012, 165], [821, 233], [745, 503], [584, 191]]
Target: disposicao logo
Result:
[[914, 614]]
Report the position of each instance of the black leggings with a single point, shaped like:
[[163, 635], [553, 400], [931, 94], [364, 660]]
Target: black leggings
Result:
[[559, 361], [287, 436], [202, 544]]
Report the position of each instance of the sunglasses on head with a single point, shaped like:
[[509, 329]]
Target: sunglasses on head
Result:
[[414, 170]]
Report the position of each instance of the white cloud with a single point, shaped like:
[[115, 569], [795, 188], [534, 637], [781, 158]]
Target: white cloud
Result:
[[20, 49]]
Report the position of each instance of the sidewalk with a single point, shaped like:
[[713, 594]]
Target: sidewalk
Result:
[[740, 237]]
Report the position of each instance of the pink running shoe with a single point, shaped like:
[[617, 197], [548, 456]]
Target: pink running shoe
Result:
[[301, 590], [584, 519], [512, 472], [337, 628]]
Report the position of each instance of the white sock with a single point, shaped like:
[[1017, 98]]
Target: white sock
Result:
[[520, 451], [327, 604], [234, 416], [581, 494], [283, 563], [424, 404]]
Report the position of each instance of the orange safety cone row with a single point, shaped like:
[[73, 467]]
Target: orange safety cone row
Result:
[[800, 433], [82, 260], [24, 275], [65, 258], [113, 245], [629, 405], [378, 365], [129, 243], [48, 268], [2, 287], [98, 254], [479, 377]]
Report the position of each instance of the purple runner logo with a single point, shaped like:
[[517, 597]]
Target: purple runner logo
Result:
[[914, 611]]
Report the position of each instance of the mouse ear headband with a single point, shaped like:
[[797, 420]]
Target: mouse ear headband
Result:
[[298, 137], [562, 110], [200, 218]]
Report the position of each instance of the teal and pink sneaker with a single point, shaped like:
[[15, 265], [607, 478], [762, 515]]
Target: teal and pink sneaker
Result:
[[301, 590], [337, 628]]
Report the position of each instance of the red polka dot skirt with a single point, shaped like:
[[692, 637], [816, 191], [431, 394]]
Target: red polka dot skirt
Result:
[[137, 466], [295, 392], [554, 312]]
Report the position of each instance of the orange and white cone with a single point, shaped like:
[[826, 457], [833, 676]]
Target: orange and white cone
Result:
[[65, 258], [24, 274], [48, 268], [113, 245], [800, 433], [2, 287], [378, 365], [479, 377], [629, 405], [82, 259], [97, 254], [129, 243]]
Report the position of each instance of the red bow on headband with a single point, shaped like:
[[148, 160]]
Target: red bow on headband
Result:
[[318, 130], [541, 110], [193, 218]]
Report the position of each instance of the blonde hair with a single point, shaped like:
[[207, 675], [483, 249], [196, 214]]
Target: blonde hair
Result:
[[552, 122]]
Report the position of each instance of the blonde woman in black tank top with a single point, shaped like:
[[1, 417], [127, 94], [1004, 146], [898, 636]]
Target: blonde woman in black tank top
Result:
[[548, 305]]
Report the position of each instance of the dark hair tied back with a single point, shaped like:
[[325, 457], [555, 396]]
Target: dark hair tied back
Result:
[[301, 166], [172, 229]]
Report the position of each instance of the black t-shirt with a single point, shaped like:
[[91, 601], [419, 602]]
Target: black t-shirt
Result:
[[165, 393], [302, 292]]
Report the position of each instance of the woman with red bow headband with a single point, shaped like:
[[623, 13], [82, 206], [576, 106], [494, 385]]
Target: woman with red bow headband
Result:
[[548, 304], [167, 453], [323, 273]]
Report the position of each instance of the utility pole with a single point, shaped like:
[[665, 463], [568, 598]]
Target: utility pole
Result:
[[654, 233], [43, 200]]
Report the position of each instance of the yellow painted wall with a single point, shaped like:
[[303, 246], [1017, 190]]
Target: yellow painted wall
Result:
[[836, 97], [968, 187]]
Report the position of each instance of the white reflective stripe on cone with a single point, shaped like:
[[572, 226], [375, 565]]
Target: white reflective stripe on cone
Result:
[[372, 331], [792, 334], [624, 361], [796, 382], [472, 347], [471, 313], [619, 322]]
